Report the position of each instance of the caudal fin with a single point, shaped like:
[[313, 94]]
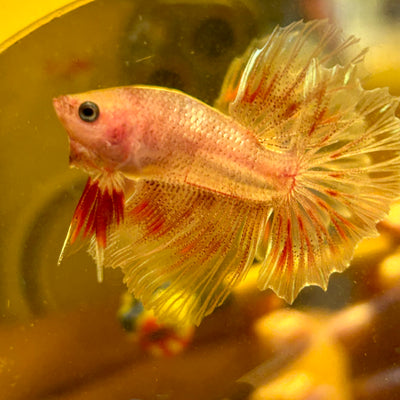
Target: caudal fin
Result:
[[291, 93]]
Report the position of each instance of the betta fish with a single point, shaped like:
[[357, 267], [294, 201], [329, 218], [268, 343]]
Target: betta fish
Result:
[[293, 165]]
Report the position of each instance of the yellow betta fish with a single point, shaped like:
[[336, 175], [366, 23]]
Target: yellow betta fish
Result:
[[294, 165]]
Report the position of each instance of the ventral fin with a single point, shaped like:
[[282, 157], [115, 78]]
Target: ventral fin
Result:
[[99, 211]]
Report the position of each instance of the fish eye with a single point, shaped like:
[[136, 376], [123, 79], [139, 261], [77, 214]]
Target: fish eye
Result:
[[89, 111]]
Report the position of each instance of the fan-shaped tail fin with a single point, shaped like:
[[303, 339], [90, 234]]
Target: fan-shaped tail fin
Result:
[[299, 91]]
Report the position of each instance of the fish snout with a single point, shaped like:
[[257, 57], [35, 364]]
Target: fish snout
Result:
[[63, 106], [59, 103]]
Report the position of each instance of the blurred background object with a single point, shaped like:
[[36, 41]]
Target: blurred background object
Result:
[[20, 17]]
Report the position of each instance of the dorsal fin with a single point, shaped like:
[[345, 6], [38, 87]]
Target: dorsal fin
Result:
[[278, 79]]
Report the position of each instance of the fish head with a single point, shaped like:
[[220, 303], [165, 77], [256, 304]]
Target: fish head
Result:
[[99, 128]]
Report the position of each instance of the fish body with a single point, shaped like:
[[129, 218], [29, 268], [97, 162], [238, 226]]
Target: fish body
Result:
[[293, 165], [165, 135]]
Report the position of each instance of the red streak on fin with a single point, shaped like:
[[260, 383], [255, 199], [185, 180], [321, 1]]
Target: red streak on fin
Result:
[[104, 217], [140, 207], [84, 209], [96, 211], [151, 217], [156, 226], [333, 193], [250, 97]]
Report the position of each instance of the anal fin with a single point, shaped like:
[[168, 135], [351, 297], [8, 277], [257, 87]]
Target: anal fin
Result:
[[182, 249]]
